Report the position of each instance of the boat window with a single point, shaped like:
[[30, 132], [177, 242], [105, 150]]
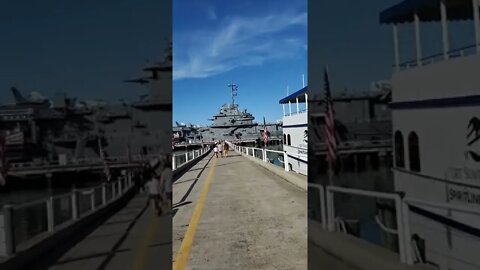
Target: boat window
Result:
[[284, 139], [414, 152], [399, 152], [288, 139]]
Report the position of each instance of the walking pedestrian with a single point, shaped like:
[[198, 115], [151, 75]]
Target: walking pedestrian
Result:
[[225, 149], [153, 188], [215, 150], [220, 149]]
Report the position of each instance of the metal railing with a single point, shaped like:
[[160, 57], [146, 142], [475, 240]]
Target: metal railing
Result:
[[278, 158], [406, 248], [438, 57], [179, 160], [41, 218]]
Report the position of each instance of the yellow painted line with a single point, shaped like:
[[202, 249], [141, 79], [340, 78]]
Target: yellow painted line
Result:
[[181, 259], [142, 254]]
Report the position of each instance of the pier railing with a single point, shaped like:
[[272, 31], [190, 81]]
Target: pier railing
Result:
[[403, 207], [32, 222], [278, 158], [179, 160]]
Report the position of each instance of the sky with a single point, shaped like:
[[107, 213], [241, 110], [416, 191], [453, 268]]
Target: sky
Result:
[[85, 48], [348, 37], [259, 45]]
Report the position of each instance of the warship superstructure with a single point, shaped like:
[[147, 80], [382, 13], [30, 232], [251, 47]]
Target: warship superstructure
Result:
[[232, 123], [39, 132]]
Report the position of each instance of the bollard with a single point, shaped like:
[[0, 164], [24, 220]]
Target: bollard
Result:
[[8, 230], [50, 215], [75, 204]]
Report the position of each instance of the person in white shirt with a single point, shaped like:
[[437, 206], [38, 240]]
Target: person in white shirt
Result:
[[215, 150], [153, 188], [166, 183]]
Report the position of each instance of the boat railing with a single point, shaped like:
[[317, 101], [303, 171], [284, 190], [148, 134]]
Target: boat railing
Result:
[[438, 57], [296, 112], [29, 223], [402, 206], [179, 160], [275, 157]]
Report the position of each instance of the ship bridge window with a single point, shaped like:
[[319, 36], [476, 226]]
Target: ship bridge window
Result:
[[399, 150], [288, 139], [414, 152]]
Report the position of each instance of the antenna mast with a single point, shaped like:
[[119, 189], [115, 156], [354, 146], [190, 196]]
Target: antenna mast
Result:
[[234, 92]]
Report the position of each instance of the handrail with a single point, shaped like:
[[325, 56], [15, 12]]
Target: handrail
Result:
[[246, 151], [7, 230], [194, 153], [430, 59]]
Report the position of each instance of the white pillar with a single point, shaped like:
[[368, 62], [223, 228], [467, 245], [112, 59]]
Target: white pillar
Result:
[[476, 22], [396, 47], [306, 101], [418, 42], [446, 45], [298, 108]]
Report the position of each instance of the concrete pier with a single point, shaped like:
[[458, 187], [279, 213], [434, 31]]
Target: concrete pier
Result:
[[231, 213]]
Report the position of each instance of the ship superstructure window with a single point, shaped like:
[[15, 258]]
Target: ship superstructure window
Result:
[[289, 142], [414, 152], [284, 139], [399, 150]]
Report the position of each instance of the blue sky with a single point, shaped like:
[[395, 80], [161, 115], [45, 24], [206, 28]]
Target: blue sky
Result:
[[347, 36], [260, 45], [85, 48]]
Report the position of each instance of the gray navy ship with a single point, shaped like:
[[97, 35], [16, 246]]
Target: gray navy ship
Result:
[[232, 124], [39, 136]]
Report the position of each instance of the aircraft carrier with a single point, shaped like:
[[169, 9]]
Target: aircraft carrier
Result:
[[230, 123], [40, 137]]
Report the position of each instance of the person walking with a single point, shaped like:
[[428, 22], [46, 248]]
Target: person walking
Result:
[[220, 148], [153, 188], [215, 150], [225, 149], [166, 184]]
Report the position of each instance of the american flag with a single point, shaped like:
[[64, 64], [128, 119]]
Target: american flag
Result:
[[330, 124], [265, 132], [106, 169]]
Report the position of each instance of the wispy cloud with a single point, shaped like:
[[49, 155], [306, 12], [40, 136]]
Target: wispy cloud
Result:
[[240, 41], [211, 14]]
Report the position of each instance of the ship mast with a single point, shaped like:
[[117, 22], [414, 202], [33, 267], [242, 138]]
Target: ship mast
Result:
[[234, 93]]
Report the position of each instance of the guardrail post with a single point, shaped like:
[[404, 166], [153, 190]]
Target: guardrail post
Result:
[[174, 163], [92, 200], [285, 162], [104, 194], [186, 157], [406, 226], [75, 204], [114, 191], [120, 187], [9, 234], [330, 210], [264, 153], [50, 215], [400, 228]]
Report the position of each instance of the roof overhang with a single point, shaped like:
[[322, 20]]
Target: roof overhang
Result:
[[300, 94], [427, 10]]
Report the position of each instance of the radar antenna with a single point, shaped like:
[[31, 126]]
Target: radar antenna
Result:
[[234, 92]]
